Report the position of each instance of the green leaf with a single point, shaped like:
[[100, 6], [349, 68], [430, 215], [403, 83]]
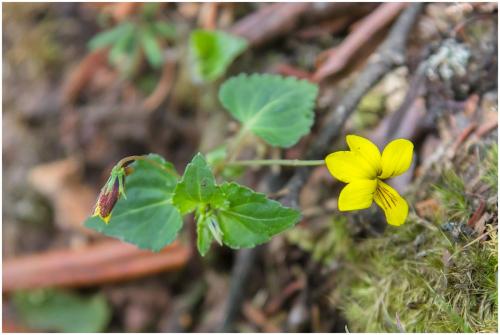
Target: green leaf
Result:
[[197, 187], [147, 217], [213, 51], [62, 311], [124, 47], [109, 37], [277, 109], [164, 29], [152, 49], [251, 218], [204, 236]]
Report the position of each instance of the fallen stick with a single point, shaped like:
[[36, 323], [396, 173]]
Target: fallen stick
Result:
[[164, 86], [207, 17], [109, 261], [319, 11], [80, 76], [243, 264], [257, 317], [486, 128], [269, 22], [288, 70], [340, 56], [275, 20], [329, 27], [275, 304]]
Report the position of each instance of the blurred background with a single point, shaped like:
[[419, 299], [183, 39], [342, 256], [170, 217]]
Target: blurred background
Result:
[[83, 89]]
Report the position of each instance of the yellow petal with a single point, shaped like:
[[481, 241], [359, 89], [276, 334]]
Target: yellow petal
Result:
[[396, 158], [357, 195], [394, 206], [366, 149], [348, 166], [106, 219]]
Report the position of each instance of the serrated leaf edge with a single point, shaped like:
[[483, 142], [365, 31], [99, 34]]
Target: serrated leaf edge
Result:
[[264, 197]]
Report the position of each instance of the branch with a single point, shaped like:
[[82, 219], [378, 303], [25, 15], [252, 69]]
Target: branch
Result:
[[100, 263], [275, 20], [244, 262], [340, 56], [269, 22]]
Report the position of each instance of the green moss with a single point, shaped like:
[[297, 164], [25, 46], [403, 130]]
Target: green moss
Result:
[[327, 244], [428, 277], [490, 175], [408, 273], [451, 192], [369, 110]]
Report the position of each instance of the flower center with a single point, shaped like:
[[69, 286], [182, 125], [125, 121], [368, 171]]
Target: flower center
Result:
[[384, 196]]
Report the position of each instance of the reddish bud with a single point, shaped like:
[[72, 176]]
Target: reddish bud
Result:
[[107, 199]]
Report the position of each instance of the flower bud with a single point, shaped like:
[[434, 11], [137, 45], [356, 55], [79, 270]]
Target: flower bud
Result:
[[111, 192], [107, 200]]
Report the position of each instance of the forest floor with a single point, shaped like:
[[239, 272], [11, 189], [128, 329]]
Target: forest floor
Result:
[[69, 115]]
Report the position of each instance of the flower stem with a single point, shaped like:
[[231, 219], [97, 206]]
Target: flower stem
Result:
[[282, 162], [237, 145], [125, 160]]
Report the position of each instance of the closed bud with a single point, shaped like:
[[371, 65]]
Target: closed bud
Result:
[[111, 192]]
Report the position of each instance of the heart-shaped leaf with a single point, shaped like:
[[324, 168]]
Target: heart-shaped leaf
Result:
[[213, 51], [146, 217], [277, 109]]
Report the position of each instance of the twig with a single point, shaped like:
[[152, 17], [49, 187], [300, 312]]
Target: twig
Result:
[[287, 292], [477, 214], [340, 56], [257, 317], [391, 126], [330, 27], [486, 128], [288, 70], [121, 11], [269, 22], [462, 137], [244, 261], [164, 86], [330, 10], [101, 263], [80, 76], [275, 20], [207, 17]]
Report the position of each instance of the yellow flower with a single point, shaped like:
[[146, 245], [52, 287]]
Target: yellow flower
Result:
[[363, 168]]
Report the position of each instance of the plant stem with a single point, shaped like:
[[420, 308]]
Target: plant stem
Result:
[[282, 162], [125, 160], [233, 150], [237, 145]]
